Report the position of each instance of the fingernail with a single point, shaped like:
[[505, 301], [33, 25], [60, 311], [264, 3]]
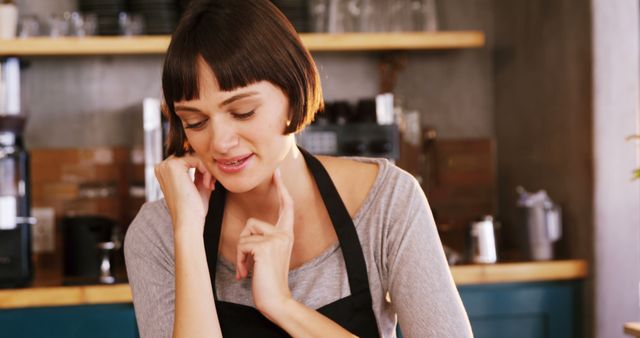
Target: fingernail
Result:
[[278, 172]]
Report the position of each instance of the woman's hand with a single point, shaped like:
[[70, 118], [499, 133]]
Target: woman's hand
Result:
[[266, 249], [188, 201]]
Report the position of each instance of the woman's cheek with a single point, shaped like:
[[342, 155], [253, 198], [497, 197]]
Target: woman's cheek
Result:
[[198, 141]]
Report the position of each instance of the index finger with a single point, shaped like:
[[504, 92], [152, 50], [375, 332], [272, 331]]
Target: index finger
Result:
[[187, 162], [285, 219]]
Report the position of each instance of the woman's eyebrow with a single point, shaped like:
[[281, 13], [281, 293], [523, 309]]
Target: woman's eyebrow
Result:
[[186, 108], [224, 103], [237, 97]]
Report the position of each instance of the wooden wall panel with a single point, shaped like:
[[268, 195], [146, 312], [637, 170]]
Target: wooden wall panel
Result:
[[543, 115], [543, 111]]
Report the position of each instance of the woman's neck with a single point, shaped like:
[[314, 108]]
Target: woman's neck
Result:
[[262, 202]]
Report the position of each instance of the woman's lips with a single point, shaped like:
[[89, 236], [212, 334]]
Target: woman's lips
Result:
[[234, 165]]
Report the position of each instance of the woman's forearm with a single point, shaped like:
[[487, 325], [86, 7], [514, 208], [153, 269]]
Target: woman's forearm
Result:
[[195, 312], [301, 321]]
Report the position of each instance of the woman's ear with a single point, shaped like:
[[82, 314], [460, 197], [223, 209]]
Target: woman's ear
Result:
[[290, 117], [186, 146]]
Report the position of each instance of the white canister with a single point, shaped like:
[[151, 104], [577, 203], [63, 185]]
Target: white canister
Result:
[[8, 21], [8, 212], [483, 241]]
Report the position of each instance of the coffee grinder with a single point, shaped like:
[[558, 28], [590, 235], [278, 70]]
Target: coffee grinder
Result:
[[16, 264]]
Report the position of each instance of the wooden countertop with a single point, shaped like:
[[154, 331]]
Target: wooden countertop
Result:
[[632, 329], [64, 295], [462, 274], [519, 272]]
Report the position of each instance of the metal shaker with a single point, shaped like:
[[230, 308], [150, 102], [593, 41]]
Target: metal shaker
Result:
[[540, 224], [483, 241]]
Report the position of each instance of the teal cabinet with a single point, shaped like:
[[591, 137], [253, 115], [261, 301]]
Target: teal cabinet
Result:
[[524, 310], [96, 321]]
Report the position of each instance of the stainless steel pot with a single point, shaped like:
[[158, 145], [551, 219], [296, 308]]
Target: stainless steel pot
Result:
[[540, 224]]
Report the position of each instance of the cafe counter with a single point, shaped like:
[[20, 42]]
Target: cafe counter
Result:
[[531, 299], [464, 275]]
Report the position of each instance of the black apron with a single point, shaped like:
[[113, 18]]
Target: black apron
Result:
[[354, 313]]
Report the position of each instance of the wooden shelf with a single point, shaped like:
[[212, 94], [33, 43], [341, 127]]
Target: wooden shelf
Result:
[[463, 275], [145, 45], [392, 41]]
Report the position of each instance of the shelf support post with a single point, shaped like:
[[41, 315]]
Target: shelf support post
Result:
[[389, 66]]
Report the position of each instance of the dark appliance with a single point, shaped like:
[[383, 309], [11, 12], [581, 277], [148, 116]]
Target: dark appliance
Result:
[[343, 129], [356, 139], [88, 246], [16, 264]]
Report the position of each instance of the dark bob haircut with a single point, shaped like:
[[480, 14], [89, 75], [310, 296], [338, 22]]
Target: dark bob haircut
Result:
[[244, 42]]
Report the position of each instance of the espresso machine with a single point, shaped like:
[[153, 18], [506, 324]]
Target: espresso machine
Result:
[[16, 265]]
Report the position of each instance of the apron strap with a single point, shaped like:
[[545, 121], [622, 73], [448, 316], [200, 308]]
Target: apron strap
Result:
[[343, 225], [212, 229]]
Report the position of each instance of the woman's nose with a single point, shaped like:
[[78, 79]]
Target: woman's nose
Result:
[[224, 137]]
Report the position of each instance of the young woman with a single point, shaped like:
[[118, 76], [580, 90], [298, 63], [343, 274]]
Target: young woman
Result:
[[268, 240]]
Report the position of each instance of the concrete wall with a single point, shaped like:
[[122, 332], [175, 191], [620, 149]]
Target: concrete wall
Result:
[[91, 101], [616, 199]]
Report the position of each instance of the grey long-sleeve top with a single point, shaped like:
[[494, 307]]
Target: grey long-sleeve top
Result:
[[399, 240]]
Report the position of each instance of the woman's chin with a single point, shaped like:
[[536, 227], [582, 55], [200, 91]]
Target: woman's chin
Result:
[[238, 186]]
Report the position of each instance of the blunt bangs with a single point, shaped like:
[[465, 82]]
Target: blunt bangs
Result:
[[243, 42]]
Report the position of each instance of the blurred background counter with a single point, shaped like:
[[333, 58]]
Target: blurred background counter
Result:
[[529, 299], [463, 275]]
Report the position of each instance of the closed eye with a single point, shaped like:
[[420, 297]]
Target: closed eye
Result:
[[195, 126], [243, 116]]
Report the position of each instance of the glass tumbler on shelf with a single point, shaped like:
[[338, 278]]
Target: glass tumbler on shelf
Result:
[[29, 26], [381, 17], [344, 16], [58, 26], [398, 16], [353, 15], [424, 16], [130, 24], [367, 22], [336, 18], [82, 24], [319, 12]]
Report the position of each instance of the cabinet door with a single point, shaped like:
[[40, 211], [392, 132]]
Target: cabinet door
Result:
[[523, 310], [96, 321]]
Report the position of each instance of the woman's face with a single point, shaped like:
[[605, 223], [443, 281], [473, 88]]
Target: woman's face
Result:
[[237, 134]]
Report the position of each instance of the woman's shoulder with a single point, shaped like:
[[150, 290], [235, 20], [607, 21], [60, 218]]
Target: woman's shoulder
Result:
[[352, 169], [367, 171], [151, 227], [362, 181], [353, 179]]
